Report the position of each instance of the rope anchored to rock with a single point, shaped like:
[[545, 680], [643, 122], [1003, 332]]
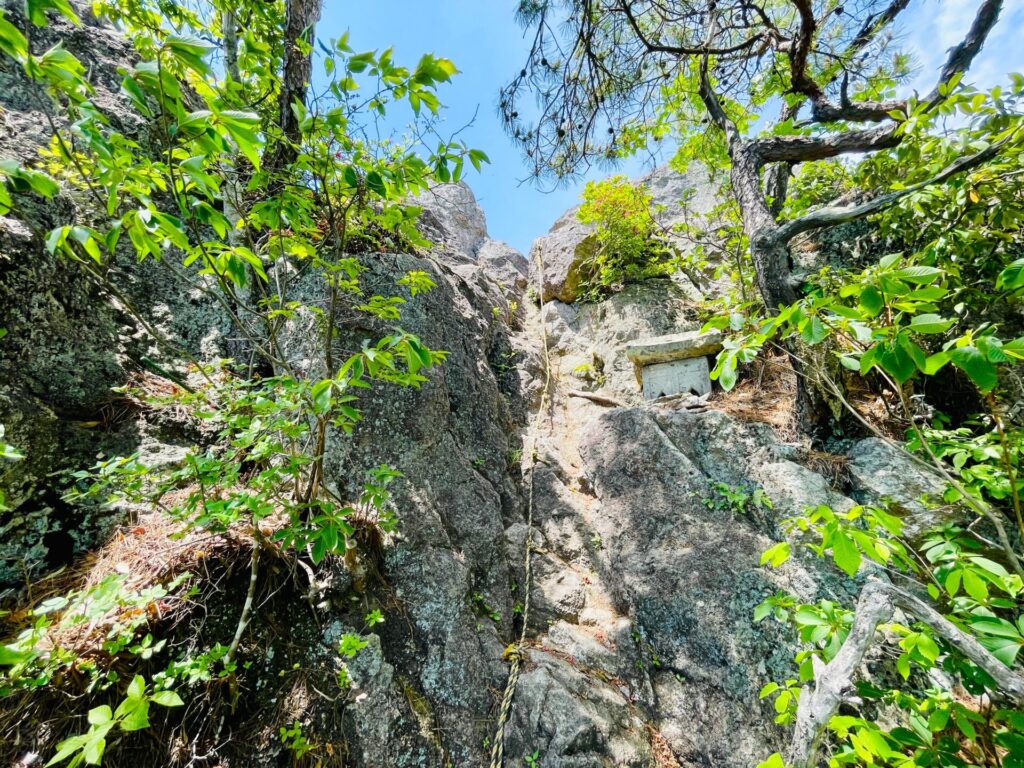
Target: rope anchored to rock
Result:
[[514, 652]]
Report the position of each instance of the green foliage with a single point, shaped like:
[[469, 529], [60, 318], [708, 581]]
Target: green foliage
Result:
[[986, 461], [786, 695], [234, 204], [629, 247], [935, 302], [351, 644], [737, 500], [110, 610], [975, 593], [482, 608], [132, 714], [815, 184], [296, 743]]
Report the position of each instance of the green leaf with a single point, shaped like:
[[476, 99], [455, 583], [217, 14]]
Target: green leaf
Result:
[[776, 555], [768, 690], [66, 749], [971, 361], [952, 582], [934, 363], [974, 585], [1003, 649], [134, 715], [376, 184], [37, 10], [1012, 277], [774, 761], [167, 699], [938, 719], [136, 95], [190, 51], [321, 394], [930, 323], [845, 553], [1015, 348], [136, 688], [244, 137], [871, 300], [919, 275], [995, 627], [477, 157], [814, 331], [100, 715], [895, 361], [913, 351], [903, 665], [12, 42], [92, 753]]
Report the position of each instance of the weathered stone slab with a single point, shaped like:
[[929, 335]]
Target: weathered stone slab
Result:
[[675, 376], [674, 346]]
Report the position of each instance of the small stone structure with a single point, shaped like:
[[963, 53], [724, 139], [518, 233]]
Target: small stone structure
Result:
[[678, 362]]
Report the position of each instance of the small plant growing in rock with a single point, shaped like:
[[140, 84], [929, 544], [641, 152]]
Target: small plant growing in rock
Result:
[[482, 608], [295, 741], [737, 500]]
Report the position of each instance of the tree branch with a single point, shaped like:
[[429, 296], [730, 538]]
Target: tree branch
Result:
[[799, 50], [833, 215], [679, 50], [833, 680], [962, 56], [825, 111], [1009, 682], [798, 149], [819, 703]]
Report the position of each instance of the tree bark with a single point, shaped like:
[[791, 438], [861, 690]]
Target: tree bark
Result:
[[301, 17]]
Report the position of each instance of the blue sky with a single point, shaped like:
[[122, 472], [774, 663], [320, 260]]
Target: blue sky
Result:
[[484, 41]]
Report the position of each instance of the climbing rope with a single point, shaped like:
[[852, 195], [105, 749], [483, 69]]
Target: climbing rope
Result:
[[514, 652]]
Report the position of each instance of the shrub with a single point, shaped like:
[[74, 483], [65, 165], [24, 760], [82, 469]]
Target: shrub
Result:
[[629, 248]]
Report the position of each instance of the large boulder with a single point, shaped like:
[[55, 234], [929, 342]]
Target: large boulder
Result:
[[883, 474], [451, 219]]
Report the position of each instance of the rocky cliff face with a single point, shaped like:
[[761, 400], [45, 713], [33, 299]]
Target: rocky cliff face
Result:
[[556, 258], [642, 648]]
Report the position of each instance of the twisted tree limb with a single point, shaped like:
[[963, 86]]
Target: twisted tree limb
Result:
[[833, 215], [832, 681]]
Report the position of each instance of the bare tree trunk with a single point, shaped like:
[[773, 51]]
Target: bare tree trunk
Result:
[[228, 25], [773, 269], [301, 17]]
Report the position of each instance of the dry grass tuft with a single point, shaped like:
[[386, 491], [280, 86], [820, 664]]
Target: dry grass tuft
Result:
[[663, 755], [768, 396], [834, 467], [150, 552]]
